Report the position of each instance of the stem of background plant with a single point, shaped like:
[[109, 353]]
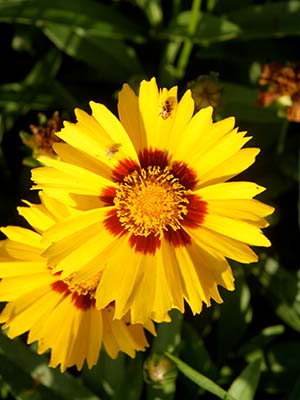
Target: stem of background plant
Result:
[[188, 43], [175, 8], [210, 5], [282, 136], [299, 188]]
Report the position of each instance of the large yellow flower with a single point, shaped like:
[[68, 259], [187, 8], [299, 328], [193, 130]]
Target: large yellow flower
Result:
[[58, 313], [158, 218]]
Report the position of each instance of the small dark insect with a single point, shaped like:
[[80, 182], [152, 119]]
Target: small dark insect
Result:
[[167, 107], [112, 150]]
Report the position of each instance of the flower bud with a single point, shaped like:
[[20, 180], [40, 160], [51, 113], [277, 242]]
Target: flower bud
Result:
[[42, 137], [206, 91], [159, 370]]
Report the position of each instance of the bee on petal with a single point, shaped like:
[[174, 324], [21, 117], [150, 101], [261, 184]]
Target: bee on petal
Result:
[[112, 150], [167, 107]]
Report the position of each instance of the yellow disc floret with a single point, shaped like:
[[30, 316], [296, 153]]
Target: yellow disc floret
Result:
[[150, 201], [87, 287]]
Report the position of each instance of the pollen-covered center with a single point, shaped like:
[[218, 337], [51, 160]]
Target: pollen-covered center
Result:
[[87, 287], [150, 201]]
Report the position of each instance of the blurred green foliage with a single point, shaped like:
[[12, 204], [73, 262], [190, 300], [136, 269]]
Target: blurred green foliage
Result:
[[57, 55]]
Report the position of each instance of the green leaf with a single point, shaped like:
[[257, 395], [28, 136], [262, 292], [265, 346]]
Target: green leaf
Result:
[[116, 379], [195, 351], [168, 334], [152, 9], [48, 66], [83, 29], [111, 58], [21, 97], [281, 288], [167, 70], [107, 376], [283, 368], [245, 385], [133, 381], [236, 309], [200, 380], [86, 16], [36, 92], [18, 360], [268, 20], [210, 29], [295, 393], [241, 101], [24, 387], [223, 6], [260, 341]]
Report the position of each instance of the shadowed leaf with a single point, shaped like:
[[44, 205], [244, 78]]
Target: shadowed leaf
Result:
[[245, 385]]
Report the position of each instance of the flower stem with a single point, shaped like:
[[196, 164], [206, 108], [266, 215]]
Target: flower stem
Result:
[[282, 137], [299, 189], [188, 43], [210, 5]]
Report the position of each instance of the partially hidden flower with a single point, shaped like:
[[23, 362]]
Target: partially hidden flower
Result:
[[159, 371], [42, 137], [206, 91], [59, 314], [280, 84], [157, 212]]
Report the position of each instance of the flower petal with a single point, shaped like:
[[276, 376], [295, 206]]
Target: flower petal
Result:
[[16, 268], [77, 157], [198, 126], [226, 147], [230, 167], [247, 209], [117, 282], [114, 130], [22, 235], [230, 190], [129, 114], [216, 243], [69, 177], [236, 229]]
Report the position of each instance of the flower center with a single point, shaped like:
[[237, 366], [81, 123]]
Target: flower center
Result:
[[84, 288], [150, 201]]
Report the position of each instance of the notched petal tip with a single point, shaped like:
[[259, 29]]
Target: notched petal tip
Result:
[[151, 83], [95, 105]]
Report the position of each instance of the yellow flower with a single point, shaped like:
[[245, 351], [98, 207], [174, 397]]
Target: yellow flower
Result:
[[158, 218], [58, 313]]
